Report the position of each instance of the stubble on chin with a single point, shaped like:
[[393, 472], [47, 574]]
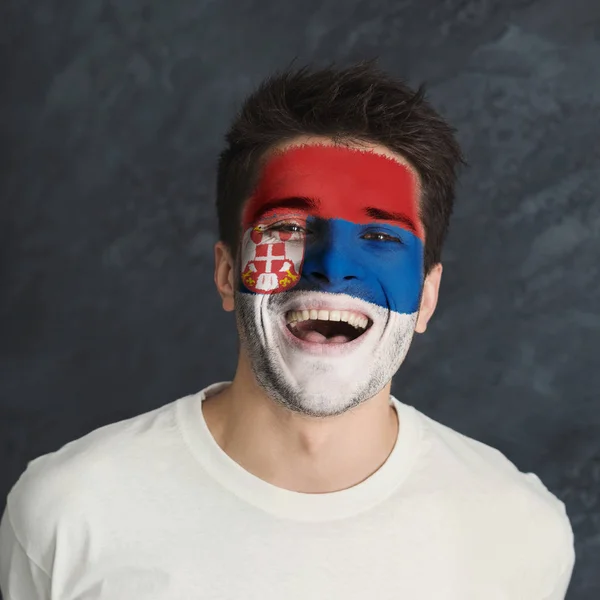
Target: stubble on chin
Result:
[[266, 364]]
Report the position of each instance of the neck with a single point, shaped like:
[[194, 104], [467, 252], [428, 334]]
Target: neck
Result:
[[296, 452]]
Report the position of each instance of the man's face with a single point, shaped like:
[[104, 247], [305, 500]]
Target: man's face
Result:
[[330, 275]]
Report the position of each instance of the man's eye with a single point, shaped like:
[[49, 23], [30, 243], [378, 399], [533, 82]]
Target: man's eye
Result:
[[379, 236], [289, 227]]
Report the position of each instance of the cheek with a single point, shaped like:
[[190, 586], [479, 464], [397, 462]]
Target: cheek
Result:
[[270, 261], [401, 279]]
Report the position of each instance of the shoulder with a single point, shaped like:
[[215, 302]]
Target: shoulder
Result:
[[508, 514], [59, 489], [466, 459]]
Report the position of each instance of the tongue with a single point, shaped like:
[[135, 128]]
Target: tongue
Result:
[[317, 338]]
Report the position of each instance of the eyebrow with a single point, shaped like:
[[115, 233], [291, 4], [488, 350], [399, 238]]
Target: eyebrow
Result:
[[308, 204], [384, 215], [293, 203]]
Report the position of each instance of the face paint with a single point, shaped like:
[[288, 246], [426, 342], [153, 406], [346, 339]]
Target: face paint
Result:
[[329, 229], [272, 259]]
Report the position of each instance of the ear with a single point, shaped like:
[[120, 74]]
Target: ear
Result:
[[429, 298], [225, 275]]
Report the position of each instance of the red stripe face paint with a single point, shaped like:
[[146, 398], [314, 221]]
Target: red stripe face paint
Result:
[[342, 182]]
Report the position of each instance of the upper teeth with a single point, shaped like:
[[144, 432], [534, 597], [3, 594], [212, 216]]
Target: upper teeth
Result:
[[354, 319]]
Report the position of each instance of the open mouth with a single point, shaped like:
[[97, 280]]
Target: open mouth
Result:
[[327, 327]]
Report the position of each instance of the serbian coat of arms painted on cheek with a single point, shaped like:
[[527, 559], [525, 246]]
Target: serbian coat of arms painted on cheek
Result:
[[272, 260]]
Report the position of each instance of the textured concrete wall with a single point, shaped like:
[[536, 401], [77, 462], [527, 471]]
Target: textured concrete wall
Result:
[[112, 116]]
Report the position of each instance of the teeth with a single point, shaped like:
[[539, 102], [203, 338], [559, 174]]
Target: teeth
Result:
[[356, 320]]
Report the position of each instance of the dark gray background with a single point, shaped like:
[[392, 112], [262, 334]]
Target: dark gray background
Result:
[[113, 113]]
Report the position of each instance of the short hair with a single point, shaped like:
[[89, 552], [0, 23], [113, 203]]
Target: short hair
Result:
[[359, 103]]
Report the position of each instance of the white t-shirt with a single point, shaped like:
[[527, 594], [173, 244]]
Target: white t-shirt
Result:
[[150, 508]]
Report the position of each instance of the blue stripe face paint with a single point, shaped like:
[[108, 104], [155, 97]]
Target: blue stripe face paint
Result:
[[381, 264]]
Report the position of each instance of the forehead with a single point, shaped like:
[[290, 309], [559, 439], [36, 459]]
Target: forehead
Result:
[[339, 182]]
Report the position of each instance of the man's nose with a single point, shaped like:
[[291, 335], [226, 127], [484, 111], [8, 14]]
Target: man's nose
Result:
[[333, 260], [331, 268]]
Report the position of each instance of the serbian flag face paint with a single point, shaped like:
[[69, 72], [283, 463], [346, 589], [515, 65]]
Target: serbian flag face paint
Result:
[[334, 230], [333, 219]]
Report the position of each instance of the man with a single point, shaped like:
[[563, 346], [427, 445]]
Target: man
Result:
[[302, 478]]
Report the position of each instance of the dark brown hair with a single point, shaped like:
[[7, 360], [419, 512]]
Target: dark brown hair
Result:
[[359, 103]]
